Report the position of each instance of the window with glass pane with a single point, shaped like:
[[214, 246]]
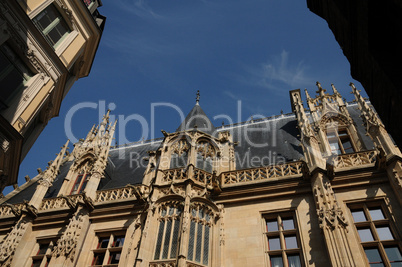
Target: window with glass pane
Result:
[[179, 154], [14, 75], [377, 237], [43, 253], [205, 153], [178, 160], [52, 25], [283, 240], [199, 239], [80, 184], [339, 141], [168, 232], [108, 249]]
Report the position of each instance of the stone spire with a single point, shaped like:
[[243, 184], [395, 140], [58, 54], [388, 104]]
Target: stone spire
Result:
[[308, 138], [48, 176], [374, 127], [197, 119], [197, 98]]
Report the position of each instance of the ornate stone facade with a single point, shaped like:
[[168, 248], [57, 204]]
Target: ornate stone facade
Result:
[[198, 198], [41, 68]]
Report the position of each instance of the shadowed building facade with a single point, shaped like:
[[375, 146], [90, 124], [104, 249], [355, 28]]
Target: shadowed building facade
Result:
[[45, 46], [319, 187]]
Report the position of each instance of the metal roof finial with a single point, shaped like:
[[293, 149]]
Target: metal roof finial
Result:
[[197, 98]]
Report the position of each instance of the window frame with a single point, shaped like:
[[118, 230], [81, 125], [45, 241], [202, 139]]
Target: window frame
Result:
[[165, 216], [372, 225], [202, 224], [51, 243], [82, 183], [283, 252], [58, 20], [339, 139], [110, 248]]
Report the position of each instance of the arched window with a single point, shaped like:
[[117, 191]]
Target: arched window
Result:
[[200, 231], [179, 154], [205, 154], [168, 233]]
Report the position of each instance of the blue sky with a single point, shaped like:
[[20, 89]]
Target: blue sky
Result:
[[160, 51]]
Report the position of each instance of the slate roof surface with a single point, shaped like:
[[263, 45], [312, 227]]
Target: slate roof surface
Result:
[[197, 119], [264, 142]]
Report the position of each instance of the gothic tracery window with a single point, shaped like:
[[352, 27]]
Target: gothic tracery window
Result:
[[168, 232], [200, 231], [205, 155], [179, 155]]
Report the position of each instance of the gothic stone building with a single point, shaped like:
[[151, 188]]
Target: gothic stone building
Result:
[[320, 187], [45, 46]]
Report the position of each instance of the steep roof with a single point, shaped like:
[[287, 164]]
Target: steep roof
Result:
[[260, 142], [197, 119]]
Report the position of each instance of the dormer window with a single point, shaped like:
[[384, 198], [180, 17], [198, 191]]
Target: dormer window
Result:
[[339, 141], [80, 183]]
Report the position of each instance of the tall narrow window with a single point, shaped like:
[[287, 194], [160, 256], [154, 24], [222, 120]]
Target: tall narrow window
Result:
[[42, 254], [108, 249], [205, 153], [52, 25], [14, 75], [283, 240], [199, 239], [339, 141], [179, 155], [168, 233], [80, 183], [375, 230]]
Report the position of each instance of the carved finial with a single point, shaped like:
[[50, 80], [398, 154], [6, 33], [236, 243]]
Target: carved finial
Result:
[[27, 178], [321, 91], [334, 89], [307, 94], [197, 98]]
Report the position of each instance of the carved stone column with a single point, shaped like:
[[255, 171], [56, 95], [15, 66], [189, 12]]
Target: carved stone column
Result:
[[12, 241], [185, 229], [394, 171], [332, 222], [134, 233], [68, 248]]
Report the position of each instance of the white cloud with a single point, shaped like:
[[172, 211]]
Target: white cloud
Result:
[[279, 72], [139, 8]]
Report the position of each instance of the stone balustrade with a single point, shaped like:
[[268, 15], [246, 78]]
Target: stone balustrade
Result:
[[355, 159], [261, 174]]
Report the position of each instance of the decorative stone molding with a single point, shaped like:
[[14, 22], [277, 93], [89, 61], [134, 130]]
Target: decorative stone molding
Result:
[[66, 245], [168, 263], [292, 169], [356, 159], [180, 147], [205, 149], [12, 240]]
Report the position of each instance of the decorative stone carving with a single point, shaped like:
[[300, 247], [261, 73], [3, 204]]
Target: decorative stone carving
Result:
[[12, 240], [180, 147], [66, 245], [205, 149]]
